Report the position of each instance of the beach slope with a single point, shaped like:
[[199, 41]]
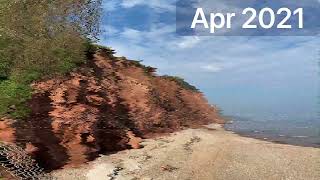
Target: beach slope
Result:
[[205, 153]]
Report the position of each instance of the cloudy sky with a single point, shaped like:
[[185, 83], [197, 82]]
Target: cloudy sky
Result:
[[242, 75]]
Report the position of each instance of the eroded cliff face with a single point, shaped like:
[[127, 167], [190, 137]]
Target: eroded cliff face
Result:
[[107, 105]]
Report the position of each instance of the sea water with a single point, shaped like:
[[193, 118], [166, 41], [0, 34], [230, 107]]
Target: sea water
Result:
[[289, 115], [278, 128]]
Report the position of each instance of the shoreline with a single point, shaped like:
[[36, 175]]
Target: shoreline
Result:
[[269, 137], [206, 153], [274, 137]]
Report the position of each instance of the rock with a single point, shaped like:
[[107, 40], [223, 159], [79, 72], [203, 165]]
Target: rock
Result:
[[30, 148], [168, 168], [134, 141]]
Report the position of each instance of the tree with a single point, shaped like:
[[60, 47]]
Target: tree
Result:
[[43, 38], [44, 35]]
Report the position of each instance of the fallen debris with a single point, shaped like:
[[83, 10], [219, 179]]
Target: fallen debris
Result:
[[168, 168]]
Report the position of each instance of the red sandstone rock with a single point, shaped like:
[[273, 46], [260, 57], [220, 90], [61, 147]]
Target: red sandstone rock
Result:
[[134, 141], [105, 106]]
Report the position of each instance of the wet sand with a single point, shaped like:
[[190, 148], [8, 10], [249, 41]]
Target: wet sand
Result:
[[203, 154]]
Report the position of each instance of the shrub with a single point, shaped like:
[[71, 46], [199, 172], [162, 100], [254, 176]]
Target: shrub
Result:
[[13, 97], [181, 82], [40, 38], [147, 69]]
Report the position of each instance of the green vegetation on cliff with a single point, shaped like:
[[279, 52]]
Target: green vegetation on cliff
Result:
[[181, 82], [41, 38]]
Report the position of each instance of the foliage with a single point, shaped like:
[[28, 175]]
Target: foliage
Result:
[[40, 38], [13, 97], [92, 48], [181, 82], [147, 69]]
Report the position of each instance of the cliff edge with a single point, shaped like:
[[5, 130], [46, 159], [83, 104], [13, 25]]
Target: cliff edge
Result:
[[106, 105]]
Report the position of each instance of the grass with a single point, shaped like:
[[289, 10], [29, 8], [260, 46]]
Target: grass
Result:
[[181, 82]]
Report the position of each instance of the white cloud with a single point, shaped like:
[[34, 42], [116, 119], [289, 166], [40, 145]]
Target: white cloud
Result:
[[132, 34], [108, 32], [109, 5], [161, 5], [131, 3], [236, 58], [232, 59], [212, 68], [155, 35], [160, 30], [222, 64], [215, 66], [188, 42]]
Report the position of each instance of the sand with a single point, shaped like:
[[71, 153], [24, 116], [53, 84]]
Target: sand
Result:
[[203, 154]]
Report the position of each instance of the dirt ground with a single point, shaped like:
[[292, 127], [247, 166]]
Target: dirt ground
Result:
[[201, 154]]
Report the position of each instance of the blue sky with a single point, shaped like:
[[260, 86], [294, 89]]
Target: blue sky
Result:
[[242, 75]]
